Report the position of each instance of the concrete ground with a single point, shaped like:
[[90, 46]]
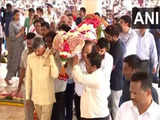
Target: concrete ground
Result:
[[11, 113]]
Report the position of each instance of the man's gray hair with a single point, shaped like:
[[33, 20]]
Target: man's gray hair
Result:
[[38, 42]]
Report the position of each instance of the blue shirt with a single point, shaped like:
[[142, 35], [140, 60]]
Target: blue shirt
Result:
[[125, 93], [117, 51], [7, 17]]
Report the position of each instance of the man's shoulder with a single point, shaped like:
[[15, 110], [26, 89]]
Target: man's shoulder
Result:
[[108, 56], [126, 105], [133, 33], [120, 45], [155, 106], [150, 35], [31, 55], [25, 52]]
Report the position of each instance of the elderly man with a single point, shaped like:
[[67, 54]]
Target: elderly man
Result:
[[23, 65], [40, 74]]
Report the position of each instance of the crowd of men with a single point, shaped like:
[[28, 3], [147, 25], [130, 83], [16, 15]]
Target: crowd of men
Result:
[[111, 80]]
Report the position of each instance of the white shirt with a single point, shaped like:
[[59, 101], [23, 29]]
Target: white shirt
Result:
[[146, 48], [130, 40], [107, 66], [79, 87], [49, 17], [128, 111], [22, 19], [94, 103]]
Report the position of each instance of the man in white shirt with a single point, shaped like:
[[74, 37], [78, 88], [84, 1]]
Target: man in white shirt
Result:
[[71, 22], [141, 106], [49, 15], [107, 63], [146, 48], [37, 28], [94, 96], [87, 49], [128, 36]]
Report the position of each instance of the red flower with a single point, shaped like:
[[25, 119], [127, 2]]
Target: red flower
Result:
[[63, 56], [91, 20], [63, 77], [66, 46], [73, 30]]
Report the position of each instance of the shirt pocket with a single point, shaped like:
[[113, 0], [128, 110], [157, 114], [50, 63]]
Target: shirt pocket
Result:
[[46, 70]]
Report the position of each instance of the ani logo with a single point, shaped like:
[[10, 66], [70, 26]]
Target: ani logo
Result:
[[146, 17]]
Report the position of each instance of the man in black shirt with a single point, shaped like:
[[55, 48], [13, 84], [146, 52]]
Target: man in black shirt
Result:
[[82, 14], [117, 50]]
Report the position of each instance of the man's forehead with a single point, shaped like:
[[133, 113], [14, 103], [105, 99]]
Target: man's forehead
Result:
[[135, 85]]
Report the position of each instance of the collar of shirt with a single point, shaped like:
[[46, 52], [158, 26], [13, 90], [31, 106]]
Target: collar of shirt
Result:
[[16, 23], [149, 112], [151, 108], [37, 35], [46, 53], [140, 35], [125, 36]]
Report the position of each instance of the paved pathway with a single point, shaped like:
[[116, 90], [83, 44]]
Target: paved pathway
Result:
[[11, 113]]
